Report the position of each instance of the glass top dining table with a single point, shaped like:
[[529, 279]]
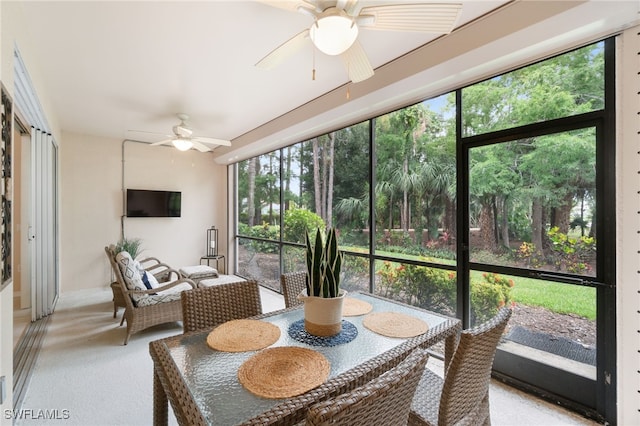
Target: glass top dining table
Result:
[[203, 387]]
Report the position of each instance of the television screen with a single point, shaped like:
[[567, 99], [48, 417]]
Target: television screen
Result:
[[148, 203]]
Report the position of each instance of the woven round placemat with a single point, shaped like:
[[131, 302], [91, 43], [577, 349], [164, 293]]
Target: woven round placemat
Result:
[[352, 307], [283, 372], [395, 324], [243, 335]]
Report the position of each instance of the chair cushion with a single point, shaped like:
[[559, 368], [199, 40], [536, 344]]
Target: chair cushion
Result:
[[164, 296], [222, 279], [133, 274], [198, 272]]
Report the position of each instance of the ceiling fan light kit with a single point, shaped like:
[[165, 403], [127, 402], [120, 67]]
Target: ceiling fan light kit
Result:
[[182, 144], [336, 26], [334, 32], [184, 140]]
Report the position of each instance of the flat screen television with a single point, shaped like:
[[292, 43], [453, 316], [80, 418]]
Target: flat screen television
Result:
[[149, 203]]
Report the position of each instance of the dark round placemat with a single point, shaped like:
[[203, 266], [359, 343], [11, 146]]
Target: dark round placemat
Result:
[[347, 334]]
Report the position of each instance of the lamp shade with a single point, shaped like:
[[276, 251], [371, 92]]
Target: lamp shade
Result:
[[182, 144], [333, 34]]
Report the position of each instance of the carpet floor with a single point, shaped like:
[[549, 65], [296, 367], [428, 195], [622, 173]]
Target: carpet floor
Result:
[[85, 376]]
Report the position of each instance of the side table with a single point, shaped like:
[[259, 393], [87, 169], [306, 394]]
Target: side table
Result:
[[217, 258]]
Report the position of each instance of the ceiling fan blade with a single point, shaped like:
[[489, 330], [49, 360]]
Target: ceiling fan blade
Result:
[[284, 51], [438, 18], [161, 142], [200, 146], [212, 141], [351, 7], [357, 63]]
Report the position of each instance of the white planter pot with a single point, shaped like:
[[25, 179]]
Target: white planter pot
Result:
[[322, 316]]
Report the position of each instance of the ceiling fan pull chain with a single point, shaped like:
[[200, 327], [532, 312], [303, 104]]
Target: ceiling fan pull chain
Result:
[[313, 72], [348, 84]]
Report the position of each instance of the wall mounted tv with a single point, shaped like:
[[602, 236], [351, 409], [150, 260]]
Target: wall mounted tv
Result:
[[148, 203]]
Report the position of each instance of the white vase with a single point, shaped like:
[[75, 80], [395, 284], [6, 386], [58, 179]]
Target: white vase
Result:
[[322, 315]]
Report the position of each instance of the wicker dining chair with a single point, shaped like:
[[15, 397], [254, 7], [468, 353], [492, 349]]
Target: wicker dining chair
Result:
[[206, 307], [292, 284], [462, 398], [384, 401]]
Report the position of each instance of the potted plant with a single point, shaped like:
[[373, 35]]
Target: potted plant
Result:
[[133, 246], [323, 298]]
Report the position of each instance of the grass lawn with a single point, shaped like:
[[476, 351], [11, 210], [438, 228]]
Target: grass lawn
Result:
[[557, 297]]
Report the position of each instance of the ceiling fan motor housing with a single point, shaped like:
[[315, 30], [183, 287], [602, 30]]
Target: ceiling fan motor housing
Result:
[[182, 130]]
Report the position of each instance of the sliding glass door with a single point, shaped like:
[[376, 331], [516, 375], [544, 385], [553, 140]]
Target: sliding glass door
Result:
[[535, 190]]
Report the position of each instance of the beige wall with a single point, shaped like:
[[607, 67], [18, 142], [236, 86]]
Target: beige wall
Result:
[[91, 204]]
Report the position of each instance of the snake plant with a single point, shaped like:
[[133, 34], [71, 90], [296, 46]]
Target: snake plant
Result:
[[324, 262]]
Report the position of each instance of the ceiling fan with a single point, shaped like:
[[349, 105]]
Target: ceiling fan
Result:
[[336, 24], [184, 140]]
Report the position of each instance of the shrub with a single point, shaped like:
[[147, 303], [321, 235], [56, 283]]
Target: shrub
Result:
[[430, 288], [529, 255], [264, 231], [435, 289], [388, 284], [571, 254], [299, 222], [488, 295], [356, 265]]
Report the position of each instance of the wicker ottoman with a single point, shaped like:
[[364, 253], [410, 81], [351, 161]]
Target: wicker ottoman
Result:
[[198, 273]]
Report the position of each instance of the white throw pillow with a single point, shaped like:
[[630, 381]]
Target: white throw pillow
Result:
[[130, 272]]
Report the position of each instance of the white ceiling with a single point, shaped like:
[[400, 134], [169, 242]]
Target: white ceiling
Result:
[[115, 66]]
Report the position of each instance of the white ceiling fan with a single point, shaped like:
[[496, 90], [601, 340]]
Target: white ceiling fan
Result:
[[184, 140], [336, 24]]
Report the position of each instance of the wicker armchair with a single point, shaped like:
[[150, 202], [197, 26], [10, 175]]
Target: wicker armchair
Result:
[[384, 401], [292, 284], [161, 271], [462, 398], [206, 307], [145, 308]]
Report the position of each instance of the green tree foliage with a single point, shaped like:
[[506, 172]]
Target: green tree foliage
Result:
[[519, 188], [546, 176]]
